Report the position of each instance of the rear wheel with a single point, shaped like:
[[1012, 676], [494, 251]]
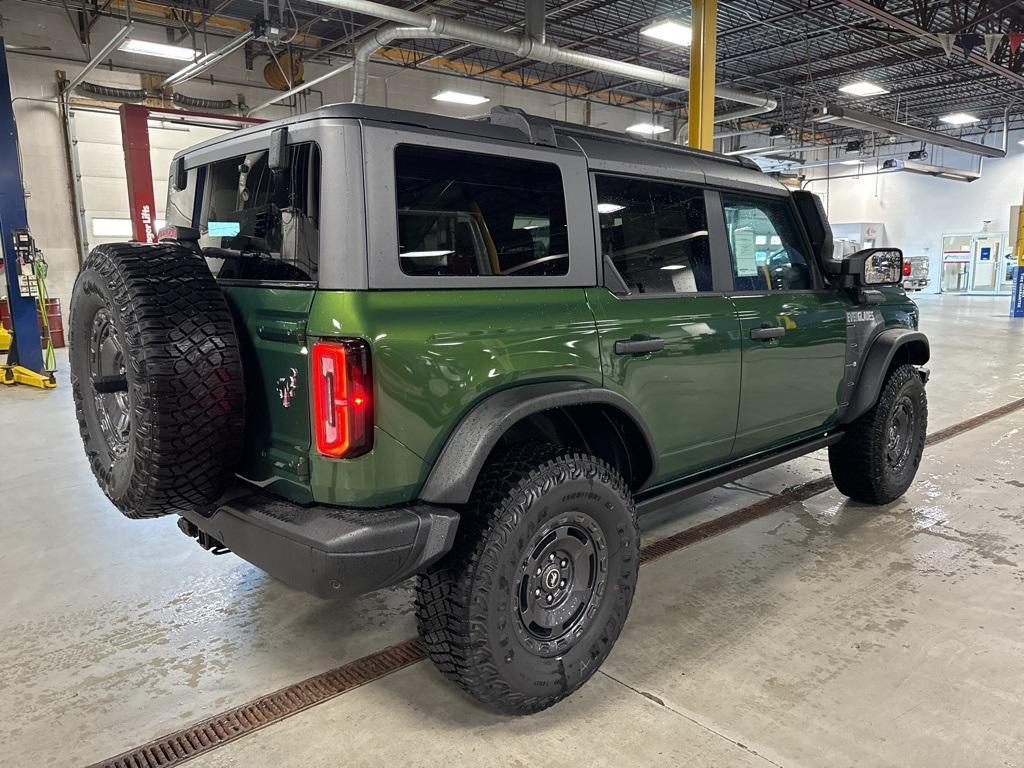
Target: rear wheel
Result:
[[156, 377], [538, 586], [878, 457]]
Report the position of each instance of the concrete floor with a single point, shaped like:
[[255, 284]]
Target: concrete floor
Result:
[[825, 634]]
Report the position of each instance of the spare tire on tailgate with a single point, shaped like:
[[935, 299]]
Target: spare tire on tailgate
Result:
[[156, 375]]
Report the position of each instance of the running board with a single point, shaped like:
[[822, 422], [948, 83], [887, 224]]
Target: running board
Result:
[[681, 492]]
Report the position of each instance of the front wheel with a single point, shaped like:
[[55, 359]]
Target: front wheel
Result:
[[878, 457], [534, 594]]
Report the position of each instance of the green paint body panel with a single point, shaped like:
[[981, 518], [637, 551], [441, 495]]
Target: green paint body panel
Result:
[[435, 355], [711, 397], [272, 334], [690, 390], [792, 385]]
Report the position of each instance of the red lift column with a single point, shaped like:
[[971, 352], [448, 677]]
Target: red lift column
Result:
[[141, 200]]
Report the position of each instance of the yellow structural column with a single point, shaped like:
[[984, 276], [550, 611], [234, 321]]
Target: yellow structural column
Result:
[[702, 75]]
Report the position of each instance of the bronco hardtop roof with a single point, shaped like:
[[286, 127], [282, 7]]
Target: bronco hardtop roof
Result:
[[512, 125]]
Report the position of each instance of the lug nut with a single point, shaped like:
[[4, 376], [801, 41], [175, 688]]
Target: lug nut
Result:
[[536, 592], [551, 556], [550, 598], [561, 583]]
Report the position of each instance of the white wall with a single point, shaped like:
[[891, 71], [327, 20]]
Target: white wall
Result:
[[917, 210], [44, 170]]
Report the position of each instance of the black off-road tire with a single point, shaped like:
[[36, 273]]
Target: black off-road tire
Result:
[[861, 463], [163, 436], [469, 607]]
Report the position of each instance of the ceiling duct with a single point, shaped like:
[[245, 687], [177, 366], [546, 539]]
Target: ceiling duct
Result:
[[833, 114], [523, 46]]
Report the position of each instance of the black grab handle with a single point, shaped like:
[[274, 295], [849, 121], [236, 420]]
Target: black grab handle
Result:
[[639, 346]]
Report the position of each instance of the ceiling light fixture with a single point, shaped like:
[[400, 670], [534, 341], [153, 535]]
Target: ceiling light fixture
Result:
[[457, 97], [669, 31], [609, 207], [959, 118], [863, 88], [163, 50], [834, 114], [646, 129], [851, 162]]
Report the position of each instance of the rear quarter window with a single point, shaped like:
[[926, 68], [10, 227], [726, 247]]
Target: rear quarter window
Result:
[[262, 225], [470, 214]]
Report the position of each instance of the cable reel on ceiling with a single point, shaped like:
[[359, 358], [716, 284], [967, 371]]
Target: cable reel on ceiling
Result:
[[284, 64]]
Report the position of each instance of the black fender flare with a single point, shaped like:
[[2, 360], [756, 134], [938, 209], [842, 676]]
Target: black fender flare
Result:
[[468, 446], [875, 365]]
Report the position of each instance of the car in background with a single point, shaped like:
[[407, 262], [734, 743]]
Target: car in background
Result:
[[915, 273]]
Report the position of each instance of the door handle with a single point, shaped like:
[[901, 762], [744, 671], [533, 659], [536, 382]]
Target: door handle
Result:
[[767, 332], [639, 345]]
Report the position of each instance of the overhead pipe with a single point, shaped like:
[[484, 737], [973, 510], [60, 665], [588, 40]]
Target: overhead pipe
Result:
[[104, 52], [203, 63], [536, 20], [525, 47], [723, 117], [300, 88]]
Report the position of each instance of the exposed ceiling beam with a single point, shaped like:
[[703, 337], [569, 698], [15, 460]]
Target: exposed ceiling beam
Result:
[[906, 26]]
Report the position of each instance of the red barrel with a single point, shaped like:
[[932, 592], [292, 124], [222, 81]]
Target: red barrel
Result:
[[52, 314]]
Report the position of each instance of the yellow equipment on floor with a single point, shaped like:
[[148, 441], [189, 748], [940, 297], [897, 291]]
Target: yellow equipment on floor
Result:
[[34, 285]]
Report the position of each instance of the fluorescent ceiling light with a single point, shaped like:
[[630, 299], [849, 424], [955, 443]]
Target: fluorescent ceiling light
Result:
[[669, 31], [674, 267], [647, 129], [1021, 142], [163, 50], [851, 162], [457, 97], [863, 88], [959, 118], [609, 207]]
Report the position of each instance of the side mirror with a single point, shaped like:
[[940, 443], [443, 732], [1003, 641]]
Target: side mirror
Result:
[[873, 267]]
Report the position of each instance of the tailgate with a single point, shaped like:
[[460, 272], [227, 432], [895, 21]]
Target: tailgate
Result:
[[271, 325]]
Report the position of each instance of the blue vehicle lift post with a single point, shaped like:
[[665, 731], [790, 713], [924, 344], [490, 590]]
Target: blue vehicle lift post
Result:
[[25, 358]]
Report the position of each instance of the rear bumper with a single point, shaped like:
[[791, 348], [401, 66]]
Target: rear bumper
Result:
[[327, 551]]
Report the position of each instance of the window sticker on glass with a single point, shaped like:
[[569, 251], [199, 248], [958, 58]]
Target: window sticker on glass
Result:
[[223, 228], [744, 249]]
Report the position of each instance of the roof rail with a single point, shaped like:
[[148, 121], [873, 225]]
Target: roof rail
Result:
[[604, 133], [537, 129]]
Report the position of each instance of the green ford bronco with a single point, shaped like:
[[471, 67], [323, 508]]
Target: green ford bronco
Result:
[[374, 344]]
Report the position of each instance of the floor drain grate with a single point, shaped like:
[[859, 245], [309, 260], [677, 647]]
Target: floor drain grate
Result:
[[176, 748], [218, 730]]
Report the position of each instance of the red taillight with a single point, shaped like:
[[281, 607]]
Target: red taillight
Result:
[[906, 269], [342, 398]]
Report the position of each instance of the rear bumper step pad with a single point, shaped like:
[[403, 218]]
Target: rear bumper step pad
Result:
[[329, 551]]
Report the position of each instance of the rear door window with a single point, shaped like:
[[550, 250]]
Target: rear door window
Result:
[[656, 234], [468, 214], [263, 225]]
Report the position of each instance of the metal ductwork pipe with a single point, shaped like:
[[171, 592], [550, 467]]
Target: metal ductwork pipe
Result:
[[524, 47], [536, 20]]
